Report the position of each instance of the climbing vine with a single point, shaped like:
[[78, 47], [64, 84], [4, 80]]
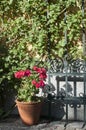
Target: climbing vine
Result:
[[26, 26]]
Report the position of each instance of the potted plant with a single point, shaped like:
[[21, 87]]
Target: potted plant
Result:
[[28, 102]]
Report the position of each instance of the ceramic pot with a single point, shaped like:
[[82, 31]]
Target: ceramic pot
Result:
[[29, 112]]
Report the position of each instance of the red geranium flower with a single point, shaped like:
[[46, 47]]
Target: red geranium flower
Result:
[[27, 73], [42, 76], [34, 82], [35, 68], [31, 82], [42, 84], [19, 74], [37, 85]]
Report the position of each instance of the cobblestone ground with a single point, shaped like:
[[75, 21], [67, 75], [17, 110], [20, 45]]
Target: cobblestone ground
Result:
[[15, 123]]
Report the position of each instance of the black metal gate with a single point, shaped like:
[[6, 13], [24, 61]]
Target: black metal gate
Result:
[[68, 72]]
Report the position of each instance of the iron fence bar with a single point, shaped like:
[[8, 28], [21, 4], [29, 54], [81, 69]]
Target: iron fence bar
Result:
[[66, 80], [85, 95], [75, 108], [66, 65], [68, 74], [58, 88]]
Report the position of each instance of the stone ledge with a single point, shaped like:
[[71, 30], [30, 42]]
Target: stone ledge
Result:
[[15, 123]]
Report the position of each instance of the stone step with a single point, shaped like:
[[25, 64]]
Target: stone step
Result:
[[15, 123]]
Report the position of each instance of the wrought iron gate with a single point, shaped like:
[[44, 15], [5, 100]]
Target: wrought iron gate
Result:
[[64, 71]]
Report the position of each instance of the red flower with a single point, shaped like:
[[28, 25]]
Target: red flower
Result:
[[27, 73], [42, 84], [42, 73], [39, 70], [42, 76], [35, 68], [43, 70], [39, 84], [19, 74], [34, 82]]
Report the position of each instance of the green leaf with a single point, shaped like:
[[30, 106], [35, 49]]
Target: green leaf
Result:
[[10, 2]]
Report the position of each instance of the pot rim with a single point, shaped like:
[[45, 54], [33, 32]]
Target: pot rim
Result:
[[23, 102]]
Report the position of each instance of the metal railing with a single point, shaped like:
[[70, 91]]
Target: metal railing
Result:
[[73, 71]]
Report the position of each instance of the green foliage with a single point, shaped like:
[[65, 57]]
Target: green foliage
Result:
[[26, 91], [25, 29], [27, 21]]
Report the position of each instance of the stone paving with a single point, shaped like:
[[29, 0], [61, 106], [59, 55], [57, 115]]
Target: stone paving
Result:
[[15, 123]]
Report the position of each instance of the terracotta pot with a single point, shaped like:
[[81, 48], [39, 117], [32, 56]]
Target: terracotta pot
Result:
[[29, 112]]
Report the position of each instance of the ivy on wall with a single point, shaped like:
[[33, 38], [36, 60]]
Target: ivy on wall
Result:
[[26, 21], [26, 26]]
